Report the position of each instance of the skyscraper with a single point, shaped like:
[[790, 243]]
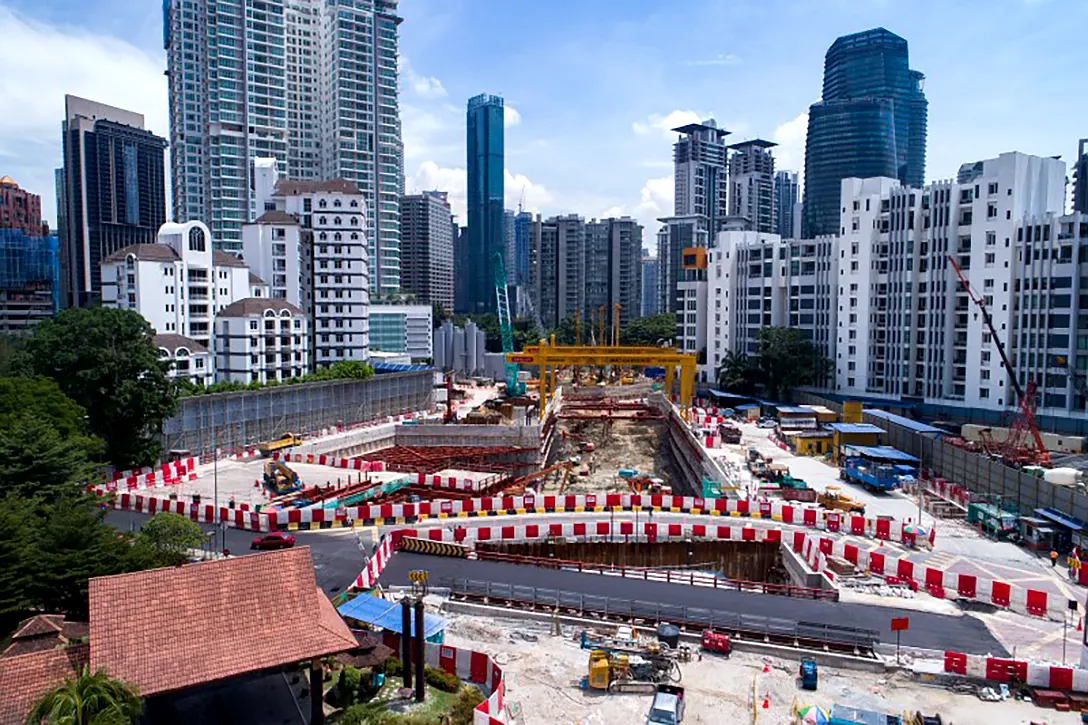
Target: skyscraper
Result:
[[871, 122], [700, 206], [786, 201], [1080, 178], [649, 284], [751, 182], [113, 190], [427, 247], [486, 218], [311, 83]]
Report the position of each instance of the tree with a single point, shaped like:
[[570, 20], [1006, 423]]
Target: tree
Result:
[[788, 359], [90, 699], [649, 331], [37, 460], [106, 361], [172, 535], [438, 315], [737, 373], [16, 560]]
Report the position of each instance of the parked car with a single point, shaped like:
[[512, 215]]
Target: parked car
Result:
[[275, 540], [767, 423]]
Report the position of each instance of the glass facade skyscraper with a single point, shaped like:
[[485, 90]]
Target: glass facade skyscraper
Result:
[[871, 122], [311, 83], [486, 216]]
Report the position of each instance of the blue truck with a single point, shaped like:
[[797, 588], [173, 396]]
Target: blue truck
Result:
[[881, 468]]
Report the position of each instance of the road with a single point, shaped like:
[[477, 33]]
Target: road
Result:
[[930, 631], [335, 553]]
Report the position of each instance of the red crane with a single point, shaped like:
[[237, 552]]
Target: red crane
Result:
[[1014, 450]]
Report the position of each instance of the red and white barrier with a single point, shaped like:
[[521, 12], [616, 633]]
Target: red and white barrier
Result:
[[164, 475], [1000, 669], [375, 565], [321, 459]]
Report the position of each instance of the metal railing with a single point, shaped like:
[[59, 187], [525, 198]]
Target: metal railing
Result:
[[664, 574], [752, 626]]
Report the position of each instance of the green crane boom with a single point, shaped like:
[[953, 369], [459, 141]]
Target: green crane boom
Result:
[[513, 385]]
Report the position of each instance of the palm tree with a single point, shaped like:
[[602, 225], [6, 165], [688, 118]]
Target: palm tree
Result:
[[90, 699], [737, 373]]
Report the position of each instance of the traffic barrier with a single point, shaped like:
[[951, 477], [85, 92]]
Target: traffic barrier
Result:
[[164, 474], [431, 548], [1006, 670]]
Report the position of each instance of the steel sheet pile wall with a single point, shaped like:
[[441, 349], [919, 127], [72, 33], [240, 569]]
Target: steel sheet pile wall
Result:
[[233, 420]]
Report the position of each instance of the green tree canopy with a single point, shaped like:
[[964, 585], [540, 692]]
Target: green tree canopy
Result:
[[90, 699], [172, 535], [649, 331], [106, 361], [737, 373], [788, 359]]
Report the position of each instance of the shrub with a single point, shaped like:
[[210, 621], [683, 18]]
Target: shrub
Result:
[[347, 687], [393, 667], [465, 704], [441, 680]]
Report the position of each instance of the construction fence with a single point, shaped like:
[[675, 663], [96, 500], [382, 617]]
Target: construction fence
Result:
[[234, 420], [974, 471]]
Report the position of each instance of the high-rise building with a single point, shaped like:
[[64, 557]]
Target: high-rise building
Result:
[[700, 205], [519, 273], [19, 209], [113, 191], [29, 279], [398, 328], [649, 303], [427, 248], [787, 202], [1080, 178], [871, 122], [486, 216], [752, 184], [310, 83], [580, 265]]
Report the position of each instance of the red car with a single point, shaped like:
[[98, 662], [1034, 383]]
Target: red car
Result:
[[274, 540]]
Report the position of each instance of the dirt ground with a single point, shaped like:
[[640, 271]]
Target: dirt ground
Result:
[[542, 673], [619, 444]]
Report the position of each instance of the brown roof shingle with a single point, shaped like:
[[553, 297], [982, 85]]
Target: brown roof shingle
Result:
[[204, 622], [25, 678], [226, 259], [145, 253], [172, 342], [257, 306], [275, 216]]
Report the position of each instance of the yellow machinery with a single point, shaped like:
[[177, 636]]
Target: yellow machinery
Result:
[[287, 440], [549, 357], [833, 498], [603, 669], [280, 479]]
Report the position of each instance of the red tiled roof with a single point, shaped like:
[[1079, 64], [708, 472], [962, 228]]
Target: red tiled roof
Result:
[[42, 632], [168, 629], [38, 625], [25, 678]]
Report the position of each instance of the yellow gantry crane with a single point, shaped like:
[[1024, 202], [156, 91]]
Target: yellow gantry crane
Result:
[[549, 357]]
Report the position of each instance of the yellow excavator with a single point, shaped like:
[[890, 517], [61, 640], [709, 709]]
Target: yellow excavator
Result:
[[280, 479], [834, 499]]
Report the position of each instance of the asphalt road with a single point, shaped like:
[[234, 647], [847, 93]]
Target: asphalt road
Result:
[[335, 553], [927, 630]]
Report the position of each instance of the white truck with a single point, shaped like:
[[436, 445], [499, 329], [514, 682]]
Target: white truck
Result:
[[667, 707]]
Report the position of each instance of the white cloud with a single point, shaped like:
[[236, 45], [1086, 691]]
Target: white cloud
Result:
[[655, 201], [719, 59], [510, 117], [537, 198], [41, 64], [790, 137], [665, 124], [430, 176], [423, 86]]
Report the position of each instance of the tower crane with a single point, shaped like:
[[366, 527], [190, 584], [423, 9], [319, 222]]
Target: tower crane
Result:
[[1014, 450], [513, 385]]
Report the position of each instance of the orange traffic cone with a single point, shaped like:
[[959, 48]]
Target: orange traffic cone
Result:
[[1080, 624], [766, 667], [766, 702]]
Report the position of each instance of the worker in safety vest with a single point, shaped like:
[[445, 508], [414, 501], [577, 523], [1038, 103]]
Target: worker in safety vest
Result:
[[1053, 558]]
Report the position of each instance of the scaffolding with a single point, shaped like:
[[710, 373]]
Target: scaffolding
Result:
[[549, 357]]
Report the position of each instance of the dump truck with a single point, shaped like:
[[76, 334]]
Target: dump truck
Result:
[[834, 499], [287, 440]]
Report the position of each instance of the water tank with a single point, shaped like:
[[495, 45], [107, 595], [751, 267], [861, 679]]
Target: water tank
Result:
[[668, 634], [1062, 476]]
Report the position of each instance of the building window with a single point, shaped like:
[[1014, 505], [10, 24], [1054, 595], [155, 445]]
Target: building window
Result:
[[197, 243]]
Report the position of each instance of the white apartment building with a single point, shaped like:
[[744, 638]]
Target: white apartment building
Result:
[[402, 328], [180, 285], [310, 245], [905, 326], [261, 340]]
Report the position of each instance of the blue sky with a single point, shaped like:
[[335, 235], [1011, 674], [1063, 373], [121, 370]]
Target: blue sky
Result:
[[595, 84]]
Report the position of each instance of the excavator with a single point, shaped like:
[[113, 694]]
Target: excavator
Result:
[[280, 479]]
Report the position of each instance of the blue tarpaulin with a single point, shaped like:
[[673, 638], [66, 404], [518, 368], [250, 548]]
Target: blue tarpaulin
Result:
[[880, 453], [384, 367], [746, 406], [385, 614], [854, 428], [728, 396], [1059, 518]]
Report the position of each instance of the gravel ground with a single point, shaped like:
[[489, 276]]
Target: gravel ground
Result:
[[543, 671]]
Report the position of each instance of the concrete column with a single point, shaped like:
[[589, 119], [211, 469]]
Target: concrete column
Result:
[[317, 700]]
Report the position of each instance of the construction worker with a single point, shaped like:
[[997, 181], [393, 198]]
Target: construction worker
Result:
[[1053, 558]]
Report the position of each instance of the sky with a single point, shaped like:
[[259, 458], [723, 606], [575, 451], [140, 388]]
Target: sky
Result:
[[592, 87]]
